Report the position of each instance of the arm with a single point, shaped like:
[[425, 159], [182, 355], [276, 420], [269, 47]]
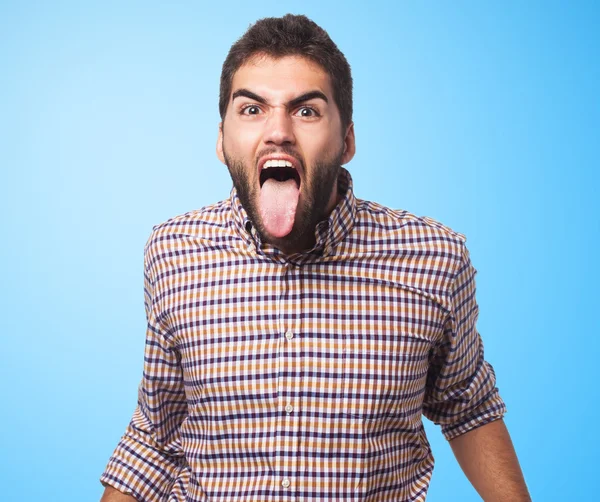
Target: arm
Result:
[[462, 397], [488, 459], [461, 392], [112, 495], [149, 460]]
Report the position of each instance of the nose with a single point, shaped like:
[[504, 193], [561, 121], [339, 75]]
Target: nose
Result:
[[279, 129]]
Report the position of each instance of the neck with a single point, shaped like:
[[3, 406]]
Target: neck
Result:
[[309, 241]]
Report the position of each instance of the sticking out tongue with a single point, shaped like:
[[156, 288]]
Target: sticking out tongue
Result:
[[278, 202]]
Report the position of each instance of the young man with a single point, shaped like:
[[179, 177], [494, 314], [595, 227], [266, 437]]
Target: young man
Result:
[[296, 334]]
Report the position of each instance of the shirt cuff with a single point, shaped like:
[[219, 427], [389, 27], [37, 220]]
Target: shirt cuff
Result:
[[493, 408], [141, 471]]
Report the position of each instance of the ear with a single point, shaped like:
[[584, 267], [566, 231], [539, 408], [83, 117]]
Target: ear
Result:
[[349, 144], [220, 153]]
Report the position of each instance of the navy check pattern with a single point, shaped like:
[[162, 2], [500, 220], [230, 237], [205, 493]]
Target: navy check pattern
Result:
[[305, 377]]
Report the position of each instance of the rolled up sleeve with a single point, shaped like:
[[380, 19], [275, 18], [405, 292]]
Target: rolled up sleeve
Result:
[[148, 460], [461, 392]]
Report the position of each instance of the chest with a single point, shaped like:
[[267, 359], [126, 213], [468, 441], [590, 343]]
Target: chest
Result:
[[346, 335]]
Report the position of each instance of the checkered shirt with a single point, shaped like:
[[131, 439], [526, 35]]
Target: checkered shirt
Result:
[[305, 377]]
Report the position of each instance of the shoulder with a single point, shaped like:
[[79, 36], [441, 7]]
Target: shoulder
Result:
[[416, 252], [195, 228], [402, 230]]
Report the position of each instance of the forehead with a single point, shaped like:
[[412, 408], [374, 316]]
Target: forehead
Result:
[[284, 77]]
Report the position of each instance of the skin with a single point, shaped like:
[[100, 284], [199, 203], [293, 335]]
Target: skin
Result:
[[278, 123], [487, 457], [113, 495], [269, 114]]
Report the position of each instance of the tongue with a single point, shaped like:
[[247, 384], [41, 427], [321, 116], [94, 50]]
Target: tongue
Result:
[[278, 203]]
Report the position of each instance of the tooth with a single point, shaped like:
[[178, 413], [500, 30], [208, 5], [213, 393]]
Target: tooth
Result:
[[277, 163]]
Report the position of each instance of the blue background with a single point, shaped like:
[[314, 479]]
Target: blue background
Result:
[[484, 116]]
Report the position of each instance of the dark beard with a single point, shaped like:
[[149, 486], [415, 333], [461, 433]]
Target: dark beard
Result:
[[311, 210]]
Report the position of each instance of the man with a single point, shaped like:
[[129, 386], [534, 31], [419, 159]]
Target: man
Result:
[[296, 334]]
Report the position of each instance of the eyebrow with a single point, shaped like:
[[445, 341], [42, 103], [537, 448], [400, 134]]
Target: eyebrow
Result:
[[307, 96], [248, 94]]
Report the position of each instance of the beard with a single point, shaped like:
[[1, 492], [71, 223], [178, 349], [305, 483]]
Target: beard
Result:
[[316, 188]]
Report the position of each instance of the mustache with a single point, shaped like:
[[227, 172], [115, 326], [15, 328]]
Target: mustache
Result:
[[287, 150]]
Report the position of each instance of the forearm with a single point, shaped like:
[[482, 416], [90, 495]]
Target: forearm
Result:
[[113, 495], [488, 459]]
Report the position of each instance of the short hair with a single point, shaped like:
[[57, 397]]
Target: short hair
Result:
[[286, 36]]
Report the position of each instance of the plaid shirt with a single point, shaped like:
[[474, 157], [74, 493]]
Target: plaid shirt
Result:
[[303, 378]]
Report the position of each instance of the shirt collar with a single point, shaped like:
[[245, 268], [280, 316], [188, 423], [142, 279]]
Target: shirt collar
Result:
[[328, 233]]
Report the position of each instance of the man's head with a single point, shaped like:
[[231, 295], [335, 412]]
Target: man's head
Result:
[[290, 35], [286, 109]]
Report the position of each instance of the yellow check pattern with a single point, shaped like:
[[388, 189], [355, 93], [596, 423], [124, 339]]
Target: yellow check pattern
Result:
[[303, 378]]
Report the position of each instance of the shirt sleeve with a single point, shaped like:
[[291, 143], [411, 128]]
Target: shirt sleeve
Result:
[[461, 392], [148, 460]]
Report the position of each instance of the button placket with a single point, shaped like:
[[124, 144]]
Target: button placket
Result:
[[285, 459], [293, 348]]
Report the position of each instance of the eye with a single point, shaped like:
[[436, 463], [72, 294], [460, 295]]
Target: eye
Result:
[[307, 112], [250, 110]]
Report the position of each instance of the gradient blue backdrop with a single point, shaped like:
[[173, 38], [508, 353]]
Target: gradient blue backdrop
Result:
[[484, 116]]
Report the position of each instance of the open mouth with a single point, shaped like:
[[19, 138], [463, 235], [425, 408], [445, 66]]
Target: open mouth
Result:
[[279, 195], [279, 170]]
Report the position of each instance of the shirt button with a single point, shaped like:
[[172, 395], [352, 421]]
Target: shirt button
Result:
[[289, 408], [285, 483], [289, 334]]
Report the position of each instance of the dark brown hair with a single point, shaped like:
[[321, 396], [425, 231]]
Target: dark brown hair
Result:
[[286, 36]]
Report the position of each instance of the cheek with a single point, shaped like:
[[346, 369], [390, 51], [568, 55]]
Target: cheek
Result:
[[239, 144], [321, 147]]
